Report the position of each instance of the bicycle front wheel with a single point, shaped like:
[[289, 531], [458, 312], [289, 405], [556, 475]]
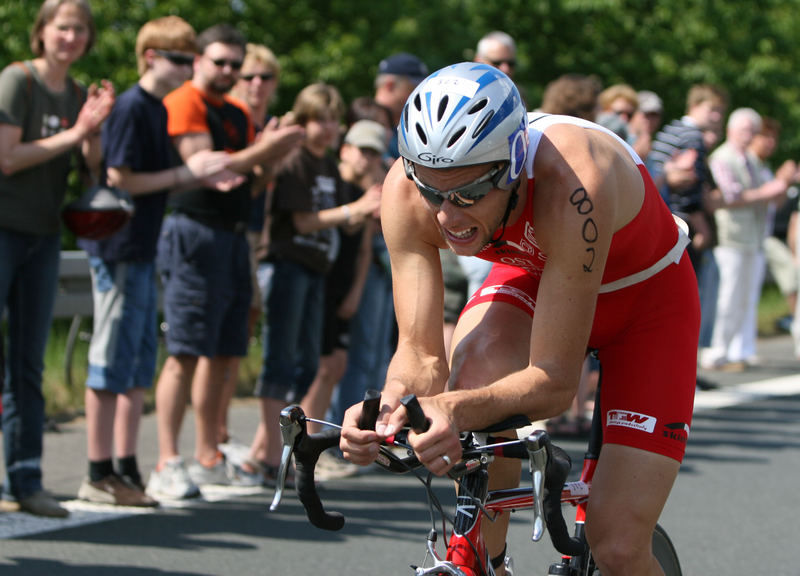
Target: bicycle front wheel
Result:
[[665, 553]]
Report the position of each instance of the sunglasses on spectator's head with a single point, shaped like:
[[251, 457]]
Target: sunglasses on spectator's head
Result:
[[510, 62], [461, 196], [177, 58], [222, 62], [265, 77]]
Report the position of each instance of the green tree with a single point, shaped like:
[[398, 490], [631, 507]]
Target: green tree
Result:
[[662, 45]]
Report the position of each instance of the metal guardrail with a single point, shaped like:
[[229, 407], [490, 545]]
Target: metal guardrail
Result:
[[74, 296]]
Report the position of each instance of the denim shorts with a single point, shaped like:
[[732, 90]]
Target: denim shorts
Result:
[[122, 354], [205, 273]]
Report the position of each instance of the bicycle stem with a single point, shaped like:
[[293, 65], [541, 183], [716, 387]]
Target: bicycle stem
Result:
[[536, 444]]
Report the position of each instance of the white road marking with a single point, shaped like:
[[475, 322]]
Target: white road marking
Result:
[[19, 524], [727, 396]]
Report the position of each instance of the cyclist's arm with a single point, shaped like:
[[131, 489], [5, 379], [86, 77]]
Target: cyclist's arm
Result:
[[418, 365]]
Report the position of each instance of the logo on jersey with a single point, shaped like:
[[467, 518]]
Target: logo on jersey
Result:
[[518, 146], [634, 420], [676, 431]]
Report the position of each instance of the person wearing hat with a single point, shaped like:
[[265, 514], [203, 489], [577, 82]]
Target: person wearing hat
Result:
[[645, 122], [398, 75], [360, 159]]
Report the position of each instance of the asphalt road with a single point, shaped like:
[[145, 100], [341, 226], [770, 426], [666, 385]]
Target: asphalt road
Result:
[[732, 510]]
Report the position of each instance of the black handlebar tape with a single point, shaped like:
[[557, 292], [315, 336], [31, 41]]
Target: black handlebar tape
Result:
[[370, 410], [416, 417], [558, 465], [306, 456]]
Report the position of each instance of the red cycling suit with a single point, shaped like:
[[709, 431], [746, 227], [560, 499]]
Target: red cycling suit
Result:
[[647, 316]]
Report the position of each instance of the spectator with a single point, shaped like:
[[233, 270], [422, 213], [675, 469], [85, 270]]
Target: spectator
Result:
[[645, 122], [617, 104], [308, 208], [572, 95], [203, 257], [678, 163], [44, 117], [463, 275], [499, 50], [741, 226], [398, 75], [372, 328], [122, 355], [780, 217], [360, 156], [256, 87]]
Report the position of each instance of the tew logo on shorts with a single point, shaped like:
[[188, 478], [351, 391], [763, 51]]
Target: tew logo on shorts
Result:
[[633, 420], [676, 431]]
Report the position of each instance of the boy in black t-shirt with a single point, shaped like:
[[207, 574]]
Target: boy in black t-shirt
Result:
[[122, 356]]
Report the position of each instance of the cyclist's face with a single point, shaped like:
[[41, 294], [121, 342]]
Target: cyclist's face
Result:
[[466, 229]]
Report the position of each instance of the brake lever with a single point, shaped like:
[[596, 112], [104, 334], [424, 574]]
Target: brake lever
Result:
[[293, 424], [536, 444]]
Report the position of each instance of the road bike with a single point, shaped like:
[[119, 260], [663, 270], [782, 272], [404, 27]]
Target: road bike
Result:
[[466, 553]]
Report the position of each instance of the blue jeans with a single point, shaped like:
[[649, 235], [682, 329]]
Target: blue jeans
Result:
[[28, 282], [708, 280], [370, 343], [291, 352]]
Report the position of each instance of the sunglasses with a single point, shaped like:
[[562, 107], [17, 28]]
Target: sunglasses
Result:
[[463, 196], [511, 63], [222, 62], [265, 77], [177, 58]]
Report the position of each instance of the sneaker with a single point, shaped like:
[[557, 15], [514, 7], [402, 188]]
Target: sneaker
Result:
[[234, 450], [331, 466], [41, 503], [205, 475], [172, 482], [247, 474], [116, 491]]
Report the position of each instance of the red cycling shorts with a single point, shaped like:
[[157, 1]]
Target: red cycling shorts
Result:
[[646, 337]]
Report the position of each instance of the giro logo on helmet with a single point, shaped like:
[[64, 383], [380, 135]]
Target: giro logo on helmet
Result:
[[434, 159]]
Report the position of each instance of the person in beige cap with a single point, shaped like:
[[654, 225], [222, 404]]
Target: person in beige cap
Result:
[[361, 168], [645, 122]]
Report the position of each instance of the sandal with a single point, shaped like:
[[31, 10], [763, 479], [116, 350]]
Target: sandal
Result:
[[270, 474]]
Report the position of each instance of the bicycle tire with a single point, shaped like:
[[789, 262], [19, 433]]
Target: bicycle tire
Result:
[[665, 553], [663, 550]]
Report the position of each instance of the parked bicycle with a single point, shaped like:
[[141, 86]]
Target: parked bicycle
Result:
[[466, 553]]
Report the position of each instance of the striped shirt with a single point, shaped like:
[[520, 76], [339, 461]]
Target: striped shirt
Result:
[[674, 137]]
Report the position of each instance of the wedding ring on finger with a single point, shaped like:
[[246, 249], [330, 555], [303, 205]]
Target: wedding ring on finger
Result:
[[446, 459]]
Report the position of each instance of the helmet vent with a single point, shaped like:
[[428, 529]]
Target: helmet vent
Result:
[[418, 103], [459, 133], [421, 133], [478, 106], [483, 123], [442, 108]]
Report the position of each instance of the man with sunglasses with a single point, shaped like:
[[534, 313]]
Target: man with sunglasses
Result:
[[204, 261], [586, 256], [499, 50]]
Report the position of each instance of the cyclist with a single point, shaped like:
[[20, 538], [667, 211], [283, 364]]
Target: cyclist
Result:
[[586, 255]]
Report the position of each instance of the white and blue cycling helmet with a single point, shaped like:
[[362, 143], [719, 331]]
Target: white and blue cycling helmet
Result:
[[466, 114]]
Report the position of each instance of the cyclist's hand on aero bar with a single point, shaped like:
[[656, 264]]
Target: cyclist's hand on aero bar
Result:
[[438, 447], [361, 446]]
